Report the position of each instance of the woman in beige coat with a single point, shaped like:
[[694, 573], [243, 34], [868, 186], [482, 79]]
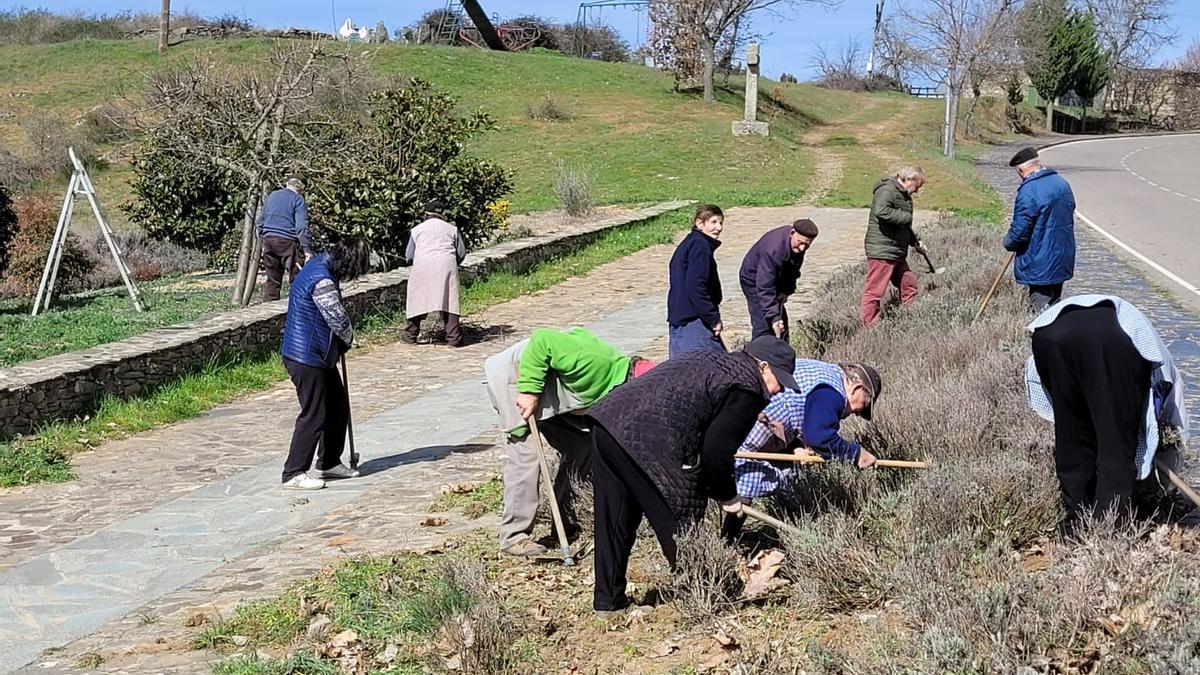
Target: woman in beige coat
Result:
[[435, 250]]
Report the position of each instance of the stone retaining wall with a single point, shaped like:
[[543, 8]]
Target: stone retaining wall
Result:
[[73, 384]]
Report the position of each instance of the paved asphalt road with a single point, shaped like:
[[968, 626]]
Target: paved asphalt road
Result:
[[1144, 193]]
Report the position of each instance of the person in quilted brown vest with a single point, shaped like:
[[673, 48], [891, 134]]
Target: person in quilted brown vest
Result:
[[664, 444]]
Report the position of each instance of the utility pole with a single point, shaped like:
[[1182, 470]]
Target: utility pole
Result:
[[875, 37], [164, 26]]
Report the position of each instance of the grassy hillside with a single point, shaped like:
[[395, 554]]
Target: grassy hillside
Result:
[[640, 139]]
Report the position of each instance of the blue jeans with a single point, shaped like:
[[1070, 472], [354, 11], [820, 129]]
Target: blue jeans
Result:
[[692, 336]]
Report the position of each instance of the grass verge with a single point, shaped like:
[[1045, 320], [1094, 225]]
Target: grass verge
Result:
[[45, 456], [81, 322], [476, 502]]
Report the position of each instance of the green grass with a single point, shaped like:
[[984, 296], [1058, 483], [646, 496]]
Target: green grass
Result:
[[82, 322], [45, 456], [487, 498], [297, 664], [640, 139], [401, 599]]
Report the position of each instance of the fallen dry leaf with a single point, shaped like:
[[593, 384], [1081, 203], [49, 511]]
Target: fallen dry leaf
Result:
[[344, 638], [715, 661], [433, 521], [725, 639], [663, 649], [388, 654], [763, 573], [319, 627], [459, 488], [1113, 624]]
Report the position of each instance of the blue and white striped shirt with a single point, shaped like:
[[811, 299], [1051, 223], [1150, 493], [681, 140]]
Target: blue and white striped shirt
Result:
[[756, 478], [1166, 397]]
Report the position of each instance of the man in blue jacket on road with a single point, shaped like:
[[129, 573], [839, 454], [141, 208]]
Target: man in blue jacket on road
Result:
[[1042, 235]]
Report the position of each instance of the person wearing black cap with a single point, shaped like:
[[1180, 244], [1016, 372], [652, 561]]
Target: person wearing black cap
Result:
[[769, 273], [665, 443], [435, 250], [1042, 236]]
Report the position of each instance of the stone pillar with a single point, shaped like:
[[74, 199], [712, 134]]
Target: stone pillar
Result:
[[749, 124]]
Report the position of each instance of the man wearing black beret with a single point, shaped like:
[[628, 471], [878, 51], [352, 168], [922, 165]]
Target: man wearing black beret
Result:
[[1042, 236]]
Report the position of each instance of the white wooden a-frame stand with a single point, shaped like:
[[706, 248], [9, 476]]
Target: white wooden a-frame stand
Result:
[[80, 184]]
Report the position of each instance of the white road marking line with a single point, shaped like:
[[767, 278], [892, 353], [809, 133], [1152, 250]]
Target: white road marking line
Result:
[[1135, 253]]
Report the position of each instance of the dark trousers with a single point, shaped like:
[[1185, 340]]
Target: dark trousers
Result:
[[322, 420], [1041, 297], [759, 325], [1098, 385], [412, 327], [280, 255], [623, 494]]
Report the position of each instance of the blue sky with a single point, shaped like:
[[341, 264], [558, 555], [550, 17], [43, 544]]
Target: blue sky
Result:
[[788, 42]]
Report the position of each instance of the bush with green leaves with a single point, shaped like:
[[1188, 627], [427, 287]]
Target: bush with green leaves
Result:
[[408, 149], [411, 152], [177, 200]]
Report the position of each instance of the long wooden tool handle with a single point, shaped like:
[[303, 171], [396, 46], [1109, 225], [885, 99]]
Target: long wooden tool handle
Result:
[[1179, 483], [988, 298], [817, 459], [773, 522], [563, 544], [349, 417], [928, 262]]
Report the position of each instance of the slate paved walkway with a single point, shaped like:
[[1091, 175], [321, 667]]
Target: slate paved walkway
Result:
[[190, 518], [1101, 269]]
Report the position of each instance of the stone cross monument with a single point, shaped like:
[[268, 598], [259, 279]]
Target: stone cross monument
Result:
[[749, 125]]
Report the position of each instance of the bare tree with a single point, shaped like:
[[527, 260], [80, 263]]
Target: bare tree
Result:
[[1132, 31], [257, 123], [1190, 61], [164, 26], [706, 23], [955, 38], [840, 68], [894, 57]]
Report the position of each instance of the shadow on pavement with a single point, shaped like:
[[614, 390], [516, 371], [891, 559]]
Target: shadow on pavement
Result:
[[427, 454]]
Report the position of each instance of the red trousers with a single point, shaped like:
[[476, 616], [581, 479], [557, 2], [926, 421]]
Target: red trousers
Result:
[[879, 274]]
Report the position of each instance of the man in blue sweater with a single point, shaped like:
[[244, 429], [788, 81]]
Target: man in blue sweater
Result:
[[1042, 235], [283, 226], [808, 419]]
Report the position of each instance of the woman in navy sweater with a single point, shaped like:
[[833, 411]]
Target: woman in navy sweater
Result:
[[694, 295]]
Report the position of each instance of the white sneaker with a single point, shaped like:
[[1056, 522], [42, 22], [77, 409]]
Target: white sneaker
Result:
[[337, 472], [303, 481]]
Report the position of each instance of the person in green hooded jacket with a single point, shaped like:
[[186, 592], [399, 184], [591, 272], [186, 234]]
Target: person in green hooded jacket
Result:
[[889, 236], [554, 376]]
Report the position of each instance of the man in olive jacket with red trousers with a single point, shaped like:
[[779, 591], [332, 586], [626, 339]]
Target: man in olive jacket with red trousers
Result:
[[889, 236]]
